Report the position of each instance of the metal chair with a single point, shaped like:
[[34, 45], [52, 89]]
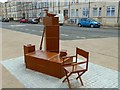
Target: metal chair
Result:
[[74, 67]]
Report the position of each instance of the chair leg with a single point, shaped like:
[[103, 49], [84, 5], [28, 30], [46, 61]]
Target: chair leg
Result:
[[80, 75], [68, 83], [64, 80], [80, 79], [67, 78]]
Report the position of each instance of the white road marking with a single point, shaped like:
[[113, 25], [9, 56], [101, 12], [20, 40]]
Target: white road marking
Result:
[[16, 28], [17, 25], [21, 28], [33, 30], [41, 31], [80, 37], [26, 29], [77, 36], [64, 35], [38, 25], [83, 37]]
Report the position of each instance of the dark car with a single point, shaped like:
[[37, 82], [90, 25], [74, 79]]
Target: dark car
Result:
[[33, 21], [23, 20], [88, 22], [5, 20]]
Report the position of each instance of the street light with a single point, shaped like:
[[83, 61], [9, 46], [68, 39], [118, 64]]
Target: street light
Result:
[[118, 18], [89, 8], [58, 6]]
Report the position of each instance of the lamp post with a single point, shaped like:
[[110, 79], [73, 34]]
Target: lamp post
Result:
[[69, 8], [89, 8], [118, 18], [53, 6], [58, 6]]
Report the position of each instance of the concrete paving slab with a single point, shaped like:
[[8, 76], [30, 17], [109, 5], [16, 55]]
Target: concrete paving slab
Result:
[[9, 81], [96, 76]]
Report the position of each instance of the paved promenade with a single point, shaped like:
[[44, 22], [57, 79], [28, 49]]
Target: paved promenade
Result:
[[103, 51]]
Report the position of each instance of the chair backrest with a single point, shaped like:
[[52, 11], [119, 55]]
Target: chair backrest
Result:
[[82, 53]]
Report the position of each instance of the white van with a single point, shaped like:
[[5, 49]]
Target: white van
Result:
[[61, 18]]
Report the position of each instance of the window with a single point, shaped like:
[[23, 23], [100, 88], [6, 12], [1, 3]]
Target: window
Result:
[[30, 6], [59, 11], [46, 4], [55, 3], [99, 13], [51, 4], [66, 12], [66, 2], [34, 14], [76, 12], [77, 1], [110, 11], [39, 5], [86, 0], [73, 1], [42, 4], [56, 11], [94, 11], [59, 4], [85, 12], [72, 12]]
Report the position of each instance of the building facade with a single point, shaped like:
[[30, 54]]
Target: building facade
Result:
[[1, 11], [4, 10], [107, 12]]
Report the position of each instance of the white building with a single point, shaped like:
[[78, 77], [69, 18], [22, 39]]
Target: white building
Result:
[[105, 11]]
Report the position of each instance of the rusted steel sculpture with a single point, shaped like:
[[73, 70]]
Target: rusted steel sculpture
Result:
[[47, 61]]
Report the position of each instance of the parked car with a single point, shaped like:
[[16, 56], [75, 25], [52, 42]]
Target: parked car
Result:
[[88, 22], [33, 21], [5, 20], [23, 20], [61, 19]]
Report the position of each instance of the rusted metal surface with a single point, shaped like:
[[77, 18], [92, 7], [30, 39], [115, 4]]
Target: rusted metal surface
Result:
[[48, 61]]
